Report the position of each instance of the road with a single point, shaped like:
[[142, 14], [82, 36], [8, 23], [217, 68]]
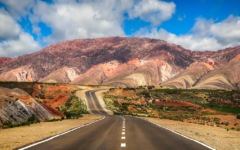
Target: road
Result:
[[118, 133]]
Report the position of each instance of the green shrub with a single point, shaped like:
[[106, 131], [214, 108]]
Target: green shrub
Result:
[[33, 119], [238, 116]]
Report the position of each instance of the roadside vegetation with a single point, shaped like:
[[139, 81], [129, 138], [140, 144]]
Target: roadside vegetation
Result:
[[59, 98], [205, 107], [31, 120], [73, 108]]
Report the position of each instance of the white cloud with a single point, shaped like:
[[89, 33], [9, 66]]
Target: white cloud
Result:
[[206, 35], [8, 27], [18, 8], [14, 41], [227, 31], [89, 19], [72, 19], [15, 47], [36, 29], [153, 11]]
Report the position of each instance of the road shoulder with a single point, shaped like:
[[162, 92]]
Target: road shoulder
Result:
[[20, 136], [218, 138]]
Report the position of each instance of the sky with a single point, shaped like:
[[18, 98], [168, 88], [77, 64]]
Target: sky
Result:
[[26, 26]]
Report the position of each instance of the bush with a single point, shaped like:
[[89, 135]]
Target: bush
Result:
[[33, 119], [238, 116], [5, 127]]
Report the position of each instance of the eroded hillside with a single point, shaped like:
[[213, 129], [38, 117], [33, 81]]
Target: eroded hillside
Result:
[[125, 61]]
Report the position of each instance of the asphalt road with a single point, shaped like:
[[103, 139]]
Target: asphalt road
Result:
[[118, 132]]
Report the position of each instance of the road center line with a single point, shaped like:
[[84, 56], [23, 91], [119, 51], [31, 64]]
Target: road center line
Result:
[[123, 144], [123, 132], [123, 137]]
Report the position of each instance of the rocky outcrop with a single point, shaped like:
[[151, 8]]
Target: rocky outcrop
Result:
[[16, 105]]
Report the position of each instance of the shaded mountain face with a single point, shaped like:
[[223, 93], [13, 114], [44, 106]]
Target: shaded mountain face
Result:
[[118, 61]]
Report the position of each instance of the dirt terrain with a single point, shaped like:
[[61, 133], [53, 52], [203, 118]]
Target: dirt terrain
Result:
[[16, 137], [218, 138], [217, 108]]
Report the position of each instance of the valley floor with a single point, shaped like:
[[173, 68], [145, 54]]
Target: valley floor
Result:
[[216, 137], [16, 137]]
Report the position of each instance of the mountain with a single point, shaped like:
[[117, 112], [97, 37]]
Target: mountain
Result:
[[226, 77], [3, 59], [123, 61]]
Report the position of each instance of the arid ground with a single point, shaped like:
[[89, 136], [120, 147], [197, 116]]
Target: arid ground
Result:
[[20, 136], [218, 138]]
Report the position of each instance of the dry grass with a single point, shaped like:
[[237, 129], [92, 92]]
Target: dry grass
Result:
[[216, 137], [16, 137]]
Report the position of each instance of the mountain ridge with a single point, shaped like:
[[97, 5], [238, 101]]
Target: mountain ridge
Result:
[[75, 61]]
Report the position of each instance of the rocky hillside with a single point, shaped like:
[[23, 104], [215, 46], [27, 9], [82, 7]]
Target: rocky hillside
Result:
[[122, 61], [17, 106], [3, 59]]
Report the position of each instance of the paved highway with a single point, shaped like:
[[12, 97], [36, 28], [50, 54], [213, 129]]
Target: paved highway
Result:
[[118, 133]]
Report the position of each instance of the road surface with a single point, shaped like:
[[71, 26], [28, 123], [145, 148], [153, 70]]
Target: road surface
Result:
[[118, 133]]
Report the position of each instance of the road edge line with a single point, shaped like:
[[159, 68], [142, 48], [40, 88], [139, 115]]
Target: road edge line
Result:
[[180, 134], [53, 137]]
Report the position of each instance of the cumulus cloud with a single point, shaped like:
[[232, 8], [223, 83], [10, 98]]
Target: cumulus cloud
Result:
[[206, 34], [14, 41], [25, 44], [153, 11], [18, 8], [72, 20], [8, 27]]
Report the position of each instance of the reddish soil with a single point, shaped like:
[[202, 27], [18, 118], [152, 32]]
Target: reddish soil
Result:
[[156, 114], [53, 111], [175, 104], [58, 101]]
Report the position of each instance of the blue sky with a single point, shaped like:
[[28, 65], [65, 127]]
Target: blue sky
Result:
[[28, 25]]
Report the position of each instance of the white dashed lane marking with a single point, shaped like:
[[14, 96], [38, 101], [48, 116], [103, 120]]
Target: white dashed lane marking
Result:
[[123, 144], [123, 133]]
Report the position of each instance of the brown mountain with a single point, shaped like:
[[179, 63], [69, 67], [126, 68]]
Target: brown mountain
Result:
[[120, 61]]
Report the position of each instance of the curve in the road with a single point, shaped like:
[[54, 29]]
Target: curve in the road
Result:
[[114, 132]]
